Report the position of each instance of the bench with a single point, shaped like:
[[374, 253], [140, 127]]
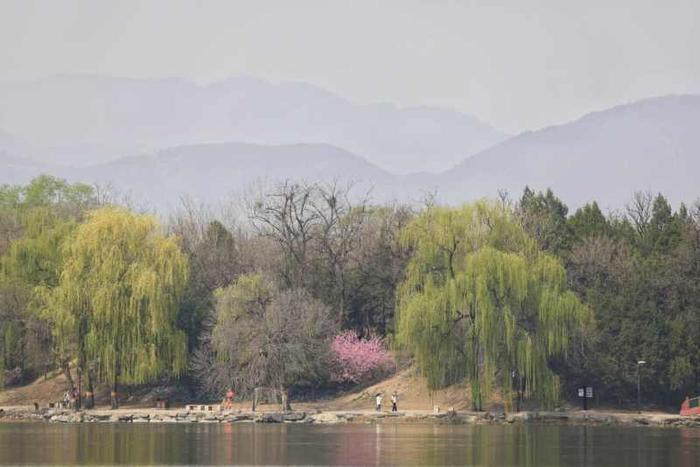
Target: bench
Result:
[[203, 408]]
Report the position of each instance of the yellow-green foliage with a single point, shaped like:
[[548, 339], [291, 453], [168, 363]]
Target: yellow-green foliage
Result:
[[35, 259], [118, 296], [32, 262], [478, 292]]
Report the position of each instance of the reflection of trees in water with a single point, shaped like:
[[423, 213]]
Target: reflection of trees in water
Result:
[[438, 445], [423, 444], [444, 445], [120, 444]]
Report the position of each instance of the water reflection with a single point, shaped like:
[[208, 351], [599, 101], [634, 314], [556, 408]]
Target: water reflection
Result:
[[529, 445]]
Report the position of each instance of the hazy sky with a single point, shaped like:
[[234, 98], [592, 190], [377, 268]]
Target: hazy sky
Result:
[[516, 64]]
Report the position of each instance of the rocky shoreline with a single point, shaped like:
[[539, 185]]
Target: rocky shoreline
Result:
[[336, 417]]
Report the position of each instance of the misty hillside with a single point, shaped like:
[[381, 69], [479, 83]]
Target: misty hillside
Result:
[[652, 144], [648, 145], [213, 172], [86, 119]]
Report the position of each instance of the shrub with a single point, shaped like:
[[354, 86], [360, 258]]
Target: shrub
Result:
[[356, 360]]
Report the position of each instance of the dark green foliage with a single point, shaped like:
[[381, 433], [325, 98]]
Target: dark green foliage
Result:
[[543, 216], [639, 273]]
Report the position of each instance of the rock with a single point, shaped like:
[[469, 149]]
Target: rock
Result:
[[239, 418], [60, 419], [269, 418], [294, 416], [125, 418], [326, 418], [76, 418], [167, 419], [553, 416]]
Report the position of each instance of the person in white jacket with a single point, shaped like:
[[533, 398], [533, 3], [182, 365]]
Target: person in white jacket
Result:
[[379, 402]]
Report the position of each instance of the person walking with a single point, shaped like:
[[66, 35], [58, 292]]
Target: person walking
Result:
[[394, 401], [379, 401], [229, 398]]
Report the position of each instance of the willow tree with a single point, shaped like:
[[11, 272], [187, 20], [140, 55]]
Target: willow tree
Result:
[[118, 297], [34, 221], [33, 263], [481, 301]]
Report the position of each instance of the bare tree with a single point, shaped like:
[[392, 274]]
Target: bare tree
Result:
[[318, 227], [287, 216], [639, 211], [341, 224], [264, 337]]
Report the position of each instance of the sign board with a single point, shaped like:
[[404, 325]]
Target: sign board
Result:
[[580, 392], [589, 392]]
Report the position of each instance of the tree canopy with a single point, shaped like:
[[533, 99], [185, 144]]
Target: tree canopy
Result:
[[118, 297], [269, 337], [480, 299]]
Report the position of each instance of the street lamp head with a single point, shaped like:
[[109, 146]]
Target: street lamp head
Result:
[[641, 362]]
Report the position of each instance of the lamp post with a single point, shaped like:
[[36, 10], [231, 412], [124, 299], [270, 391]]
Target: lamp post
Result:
[[639, 385]]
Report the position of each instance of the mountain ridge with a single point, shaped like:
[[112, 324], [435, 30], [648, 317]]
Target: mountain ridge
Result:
[[653, 144], [98, 118]]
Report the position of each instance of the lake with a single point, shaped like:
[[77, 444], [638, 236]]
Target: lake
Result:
[[423, 444]]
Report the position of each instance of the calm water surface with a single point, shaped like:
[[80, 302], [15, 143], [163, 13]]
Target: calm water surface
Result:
[[423, 444]]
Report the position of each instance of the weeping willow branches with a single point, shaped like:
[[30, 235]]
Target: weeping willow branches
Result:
[[480, 300], [118, 297]]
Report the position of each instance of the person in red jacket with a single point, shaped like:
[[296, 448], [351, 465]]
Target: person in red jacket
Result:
[[229, 398]]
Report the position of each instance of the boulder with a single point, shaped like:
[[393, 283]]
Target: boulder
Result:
[[269, 418], [294, 416], [325, 417], [101, 417], [60, 419], [241, 417]]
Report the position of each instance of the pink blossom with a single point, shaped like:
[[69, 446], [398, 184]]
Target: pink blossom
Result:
[[355, 360]]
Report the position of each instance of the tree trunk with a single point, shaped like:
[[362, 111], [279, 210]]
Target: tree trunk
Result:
[[89, 392], [114, 396], [78, 400], [284, 396], [65, 367]]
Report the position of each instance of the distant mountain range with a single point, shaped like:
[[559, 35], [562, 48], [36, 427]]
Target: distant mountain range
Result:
[[85, 120], [653, 144]]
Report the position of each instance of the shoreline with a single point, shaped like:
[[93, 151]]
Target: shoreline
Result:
[[181, 415]]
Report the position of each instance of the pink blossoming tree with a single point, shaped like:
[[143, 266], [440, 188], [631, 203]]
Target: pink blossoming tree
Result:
[[355, 360]]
